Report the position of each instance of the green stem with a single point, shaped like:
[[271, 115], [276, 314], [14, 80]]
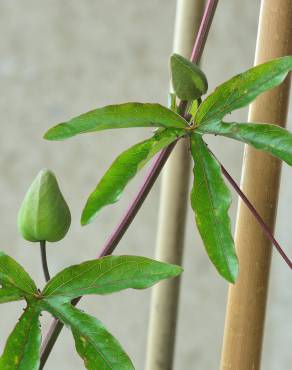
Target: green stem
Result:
[[44, 260]]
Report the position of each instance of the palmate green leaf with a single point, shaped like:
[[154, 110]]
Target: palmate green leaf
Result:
[[270, 138], [123, 169], [22, 348], [117, 116], [211, 199], [242, 89], [189, 82], [108, 275], [95, 345], [15, 280]]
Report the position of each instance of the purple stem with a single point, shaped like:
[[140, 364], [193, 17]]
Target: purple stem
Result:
[[120, 230], [203, 31], [256, 215]]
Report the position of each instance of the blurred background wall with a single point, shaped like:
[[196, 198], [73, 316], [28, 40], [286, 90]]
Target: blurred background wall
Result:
[[62, 58]]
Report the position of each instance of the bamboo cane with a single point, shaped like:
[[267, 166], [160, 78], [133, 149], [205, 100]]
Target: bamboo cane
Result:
[[246, 306], [173, 209]]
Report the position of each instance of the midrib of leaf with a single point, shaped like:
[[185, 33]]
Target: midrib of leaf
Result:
[[215, 218], [94, 344], [93, 286], [80, 333], [214, 104], [98, 277], [159, 144], [12, 282], [235, 100], [72, 279], [27, 338], [10, 294]]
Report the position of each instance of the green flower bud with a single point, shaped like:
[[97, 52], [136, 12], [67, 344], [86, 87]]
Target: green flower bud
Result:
[[188, 80], [44, 213]]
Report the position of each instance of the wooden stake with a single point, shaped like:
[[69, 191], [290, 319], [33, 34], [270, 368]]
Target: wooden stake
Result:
[[173, 209], [246, 307]]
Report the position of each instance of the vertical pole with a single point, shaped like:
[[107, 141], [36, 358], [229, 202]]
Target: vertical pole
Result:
[[172, 213], [246, 305]]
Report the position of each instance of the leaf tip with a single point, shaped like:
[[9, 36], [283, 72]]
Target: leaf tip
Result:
[[178, 270], [50, 134], [232, 275], [84, 221], [173, 57], [174, 270], [86, 216], [58, 132]]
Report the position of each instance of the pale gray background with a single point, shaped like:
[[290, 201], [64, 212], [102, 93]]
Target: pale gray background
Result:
[[62, 58]]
